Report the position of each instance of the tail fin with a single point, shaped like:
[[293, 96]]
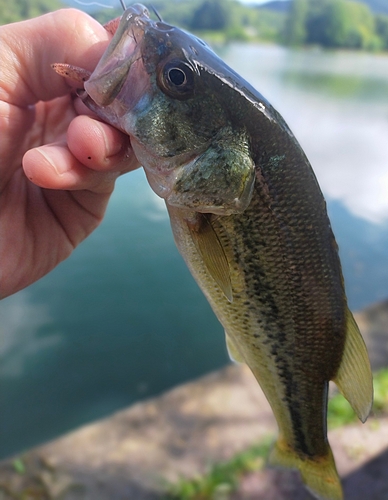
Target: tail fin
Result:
[[319, 475]]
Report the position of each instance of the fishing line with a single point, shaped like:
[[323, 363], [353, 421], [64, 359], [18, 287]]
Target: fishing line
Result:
[[157, 13], [98, 4]]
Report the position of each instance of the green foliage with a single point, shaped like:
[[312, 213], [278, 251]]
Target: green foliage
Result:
[[329, 23], [222, 478], [269, 25], [219, 20], [341, 413], [175, 12], [380, 384], [382, 30], [19, 466], [211, 15], [295, 30], [105, 15], [345, 24], [227, 16], [333, 24], [18, 10]]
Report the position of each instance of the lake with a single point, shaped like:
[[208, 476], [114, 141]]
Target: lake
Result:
[[122, 319]]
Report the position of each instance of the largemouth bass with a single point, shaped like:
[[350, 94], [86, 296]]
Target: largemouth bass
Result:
[[250, 221]]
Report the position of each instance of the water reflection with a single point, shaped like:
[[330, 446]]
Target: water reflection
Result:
[[25, 331], [122, 318], [336, 105], [118, 321]]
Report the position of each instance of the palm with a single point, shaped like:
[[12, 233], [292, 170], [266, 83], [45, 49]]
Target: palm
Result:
[[52, 197], [51, 121], [37, 232]]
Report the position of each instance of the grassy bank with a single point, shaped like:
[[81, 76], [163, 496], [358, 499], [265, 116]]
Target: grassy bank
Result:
[[223, 478]]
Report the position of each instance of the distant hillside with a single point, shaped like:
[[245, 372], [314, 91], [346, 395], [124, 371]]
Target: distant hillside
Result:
[[282, 6], [376, 6], [276, 5]]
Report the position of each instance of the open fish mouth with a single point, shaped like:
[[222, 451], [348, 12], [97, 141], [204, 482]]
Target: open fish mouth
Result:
[[146, 84], [122, 64]]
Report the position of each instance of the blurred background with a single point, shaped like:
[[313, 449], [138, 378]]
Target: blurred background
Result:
[[122, 319]]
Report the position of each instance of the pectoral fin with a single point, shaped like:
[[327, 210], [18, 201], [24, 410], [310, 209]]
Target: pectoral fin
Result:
[[233, 352], [210, 248], [354, 376]]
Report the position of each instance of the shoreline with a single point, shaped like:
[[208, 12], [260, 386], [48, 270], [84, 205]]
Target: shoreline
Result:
[[136, 452]]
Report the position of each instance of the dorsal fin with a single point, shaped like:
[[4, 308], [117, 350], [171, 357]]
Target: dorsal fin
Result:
[[354, 376], [212, 252]]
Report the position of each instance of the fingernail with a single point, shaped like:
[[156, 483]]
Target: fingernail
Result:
[[112, 147]]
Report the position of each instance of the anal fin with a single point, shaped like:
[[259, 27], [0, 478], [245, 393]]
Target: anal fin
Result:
[[354, 376]]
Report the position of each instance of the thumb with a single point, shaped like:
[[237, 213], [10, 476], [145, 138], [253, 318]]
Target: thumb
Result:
[[30, 47]]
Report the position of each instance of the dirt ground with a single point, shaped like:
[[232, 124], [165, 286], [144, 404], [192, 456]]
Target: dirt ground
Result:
[[135, 452]]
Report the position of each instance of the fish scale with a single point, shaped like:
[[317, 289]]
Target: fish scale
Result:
[[259, 294], [250, 221], [279, 331]]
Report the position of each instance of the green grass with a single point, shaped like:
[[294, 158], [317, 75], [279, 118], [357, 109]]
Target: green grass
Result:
[[223, 478], [19, 466], [380, 404], [340, 412]]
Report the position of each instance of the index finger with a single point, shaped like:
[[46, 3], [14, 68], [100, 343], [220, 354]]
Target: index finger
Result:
[[30, 47]]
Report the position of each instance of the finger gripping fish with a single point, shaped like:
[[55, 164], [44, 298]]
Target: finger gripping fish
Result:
[[250, 221]]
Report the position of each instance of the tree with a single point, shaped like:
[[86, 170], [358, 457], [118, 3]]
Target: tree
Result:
[[295, 32], [212, 15], [340, 23], [348, 24], [382, 30], [25, 9]]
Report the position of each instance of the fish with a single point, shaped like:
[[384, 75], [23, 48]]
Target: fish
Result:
[[250, 221]]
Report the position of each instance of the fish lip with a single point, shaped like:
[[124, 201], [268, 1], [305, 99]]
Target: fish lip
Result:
[[86, 98], [125, 49], [114, 66]]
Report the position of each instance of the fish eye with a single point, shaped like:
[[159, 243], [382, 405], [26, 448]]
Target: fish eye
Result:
[[177, 76], [176, 79]]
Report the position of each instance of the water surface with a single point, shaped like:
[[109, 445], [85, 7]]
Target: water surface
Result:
[[122, 319]]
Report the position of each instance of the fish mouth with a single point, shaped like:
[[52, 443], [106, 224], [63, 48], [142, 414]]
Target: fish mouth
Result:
[[124, 50]]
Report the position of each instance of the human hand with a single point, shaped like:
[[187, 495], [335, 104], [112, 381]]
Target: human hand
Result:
[[58, 166]]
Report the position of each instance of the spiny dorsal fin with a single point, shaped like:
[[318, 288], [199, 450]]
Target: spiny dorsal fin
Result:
[[354, 376], [210, 248], [233, 352]]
